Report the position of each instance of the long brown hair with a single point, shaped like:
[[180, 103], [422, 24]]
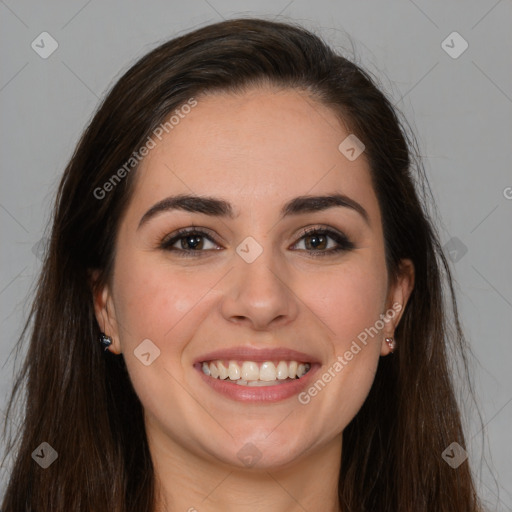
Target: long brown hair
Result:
[[79, 399]]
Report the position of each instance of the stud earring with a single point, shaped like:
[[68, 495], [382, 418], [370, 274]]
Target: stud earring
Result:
[[105, 340], [391, 344]]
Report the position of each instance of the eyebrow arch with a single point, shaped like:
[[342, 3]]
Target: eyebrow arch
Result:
[[221, 208], [307, 204], [190, 203]]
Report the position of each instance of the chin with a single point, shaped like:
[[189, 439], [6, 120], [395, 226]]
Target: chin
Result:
[[273, 453]]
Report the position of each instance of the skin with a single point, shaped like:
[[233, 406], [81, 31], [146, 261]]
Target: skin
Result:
[[256, 150]]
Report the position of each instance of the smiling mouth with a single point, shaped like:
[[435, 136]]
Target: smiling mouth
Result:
[[255, 374]]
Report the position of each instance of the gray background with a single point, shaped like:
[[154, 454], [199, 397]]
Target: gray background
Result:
[[460, 109]]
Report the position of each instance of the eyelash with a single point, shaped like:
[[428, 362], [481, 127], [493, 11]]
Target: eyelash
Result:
[[344, 244]]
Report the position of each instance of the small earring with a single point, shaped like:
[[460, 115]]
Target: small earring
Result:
[[391, 344], [105, 340]]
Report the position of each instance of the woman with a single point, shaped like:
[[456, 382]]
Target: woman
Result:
[[242, 303]]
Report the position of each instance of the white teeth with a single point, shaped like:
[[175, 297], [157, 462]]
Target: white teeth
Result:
[[251, 373], [267, 371], [282, 370], [233, 371], [256, 383], [223, 371], [259, 383], [292, 369], [213, 371]]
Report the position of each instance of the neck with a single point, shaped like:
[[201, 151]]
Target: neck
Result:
[[188, 482]]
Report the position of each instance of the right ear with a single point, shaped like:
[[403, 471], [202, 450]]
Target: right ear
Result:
[[104, 310]]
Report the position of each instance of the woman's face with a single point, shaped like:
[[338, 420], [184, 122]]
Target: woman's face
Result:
[[247, 288]]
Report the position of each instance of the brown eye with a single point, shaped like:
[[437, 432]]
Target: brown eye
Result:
[[192, 242], [321, 242], [187, 241], [316, 241]]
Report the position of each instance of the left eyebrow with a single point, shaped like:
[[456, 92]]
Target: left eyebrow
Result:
[[220, 208], [308, 204]]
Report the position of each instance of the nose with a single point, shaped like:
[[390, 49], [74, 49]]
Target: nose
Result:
[[258, 294]]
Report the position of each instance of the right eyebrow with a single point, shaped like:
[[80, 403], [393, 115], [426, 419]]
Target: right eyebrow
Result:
[[308, 204]]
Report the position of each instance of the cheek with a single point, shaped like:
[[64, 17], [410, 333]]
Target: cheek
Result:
[[151, 299], [347, 300], [164, 306]]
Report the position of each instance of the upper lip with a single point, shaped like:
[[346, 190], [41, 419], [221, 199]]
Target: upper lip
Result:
[[246, 353]]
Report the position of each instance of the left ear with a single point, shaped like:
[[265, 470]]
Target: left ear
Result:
[[399, 293]]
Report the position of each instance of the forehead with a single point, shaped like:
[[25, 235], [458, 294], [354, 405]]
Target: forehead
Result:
[[256, 149]]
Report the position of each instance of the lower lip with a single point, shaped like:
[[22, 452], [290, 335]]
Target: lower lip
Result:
[[259, 394]]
